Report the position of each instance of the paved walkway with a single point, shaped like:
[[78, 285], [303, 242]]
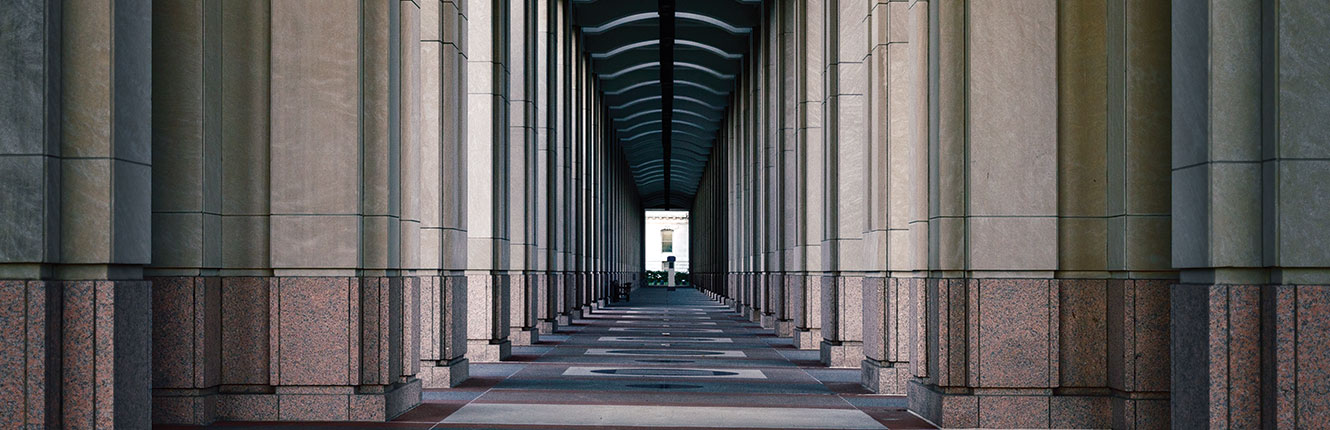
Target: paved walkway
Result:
[[667, 359]]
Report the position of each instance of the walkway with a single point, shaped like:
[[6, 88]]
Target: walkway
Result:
[[667, 359]]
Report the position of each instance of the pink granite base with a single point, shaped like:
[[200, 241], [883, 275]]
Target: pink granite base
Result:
[[1040, 353], [1256, 352], [293, 348], [884, 378], [77, 354], [444, 374], [808, 339], [844, 354]]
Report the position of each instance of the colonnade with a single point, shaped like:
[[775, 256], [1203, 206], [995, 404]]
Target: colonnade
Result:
[[1032, 213], [305, 209], [1026, 213]]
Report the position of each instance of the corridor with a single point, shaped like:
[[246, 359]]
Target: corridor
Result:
[[409, 213]]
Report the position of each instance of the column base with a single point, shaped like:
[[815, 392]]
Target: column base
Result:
[[844, 354], [487, 351], [785, 328], [808, 338], [754, 315], [523, 336], [370, 403], [563, 320], [885, 378], [547, 326], [437, 375], [585, 312], [767, 321], [196, 407], [1013, 408]]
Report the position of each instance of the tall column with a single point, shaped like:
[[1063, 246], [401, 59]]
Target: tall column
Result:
[[788, 99], [807, 297], [546, 118], [845, 186], [1249, 214], [558, 193], [521, 175], [997, 213], [774, 174], [567, 197], [443, 238], [189, 141], [1024, 229], [75, 152], [487, 191], [895, 203], [915, 256]]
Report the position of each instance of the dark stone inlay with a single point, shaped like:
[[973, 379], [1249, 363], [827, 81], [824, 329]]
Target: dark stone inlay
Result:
[[661, 360], [665, 386], [664, 372], [668, 352]]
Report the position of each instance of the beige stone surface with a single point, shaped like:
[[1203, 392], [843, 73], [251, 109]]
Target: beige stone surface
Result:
[[314, 241], [315, 107], [1013, 108], [1013, 243]]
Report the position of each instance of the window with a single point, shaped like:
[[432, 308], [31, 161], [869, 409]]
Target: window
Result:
[[667, 240]]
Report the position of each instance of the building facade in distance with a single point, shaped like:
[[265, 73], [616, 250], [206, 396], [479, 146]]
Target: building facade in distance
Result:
[[666, 236]]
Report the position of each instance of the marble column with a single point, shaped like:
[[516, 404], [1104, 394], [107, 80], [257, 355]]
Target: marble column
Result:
[[487, 191], [807, 295], [774, 169], [443, 237], [845, 182], [1249, 213], [546, 110], [789, 254], [522, 178], [188, 142], [76, 155], [897, 176]]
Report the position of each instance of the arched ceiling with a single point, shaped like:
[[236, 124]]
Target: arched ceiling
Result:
[[666, 118]]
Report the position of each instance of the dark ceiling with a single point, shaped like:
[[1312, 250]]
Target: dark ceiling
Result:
[[659, 111]]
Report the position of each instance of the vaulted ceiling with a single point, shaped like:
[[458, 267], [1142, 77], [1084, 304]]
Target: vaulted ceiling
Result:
[[667, 68]]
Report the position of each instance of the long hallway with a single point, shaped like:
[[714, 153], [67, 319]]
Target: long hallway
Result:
[[665, 359]]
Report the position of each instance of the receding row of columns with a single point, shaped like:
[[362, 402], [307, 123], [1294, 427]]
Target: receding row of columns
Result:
[[305, 209], [973, 203]]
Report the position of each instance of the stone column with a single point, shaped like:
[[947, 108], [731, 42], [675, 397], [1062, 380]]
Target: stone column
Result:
[[335, 251], [576, 180], [443, 191], [567, 197], [558, 194], [790, 252], [1054, 249], [807, 296], [546, 96], [487, 191], [189, 141], [896, 200], [75, 153], [1248, 215], [521, 176], [846, 148], [774, 172]]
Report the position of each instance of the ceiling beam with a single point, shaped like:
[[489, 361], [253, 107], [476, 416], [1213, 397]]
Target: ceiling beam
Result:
[[666, 8]]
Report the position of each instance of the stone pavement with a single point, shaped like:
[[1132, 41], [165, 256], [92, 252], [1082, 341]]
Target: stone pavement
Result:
[[667, 359]]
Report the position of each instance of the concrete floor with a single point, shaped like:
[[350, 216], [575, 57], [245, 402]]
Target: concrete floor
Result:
[[667, 359]]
